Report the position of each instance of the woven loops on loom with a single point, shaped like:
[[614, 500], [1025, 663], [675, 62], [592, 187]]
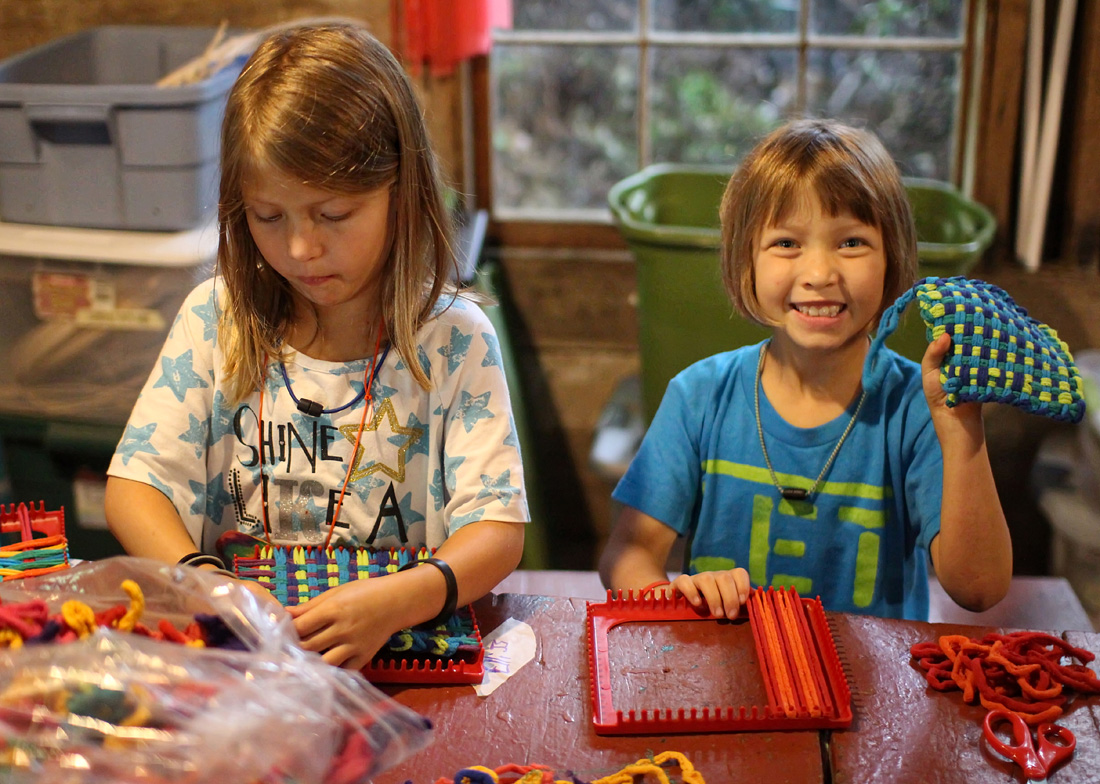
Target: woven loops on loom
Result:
[[294, 575]]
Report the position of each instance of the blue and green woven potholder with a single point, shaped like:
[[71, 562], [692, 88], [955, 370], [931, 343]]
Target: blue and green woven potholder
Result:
[[999, 354]]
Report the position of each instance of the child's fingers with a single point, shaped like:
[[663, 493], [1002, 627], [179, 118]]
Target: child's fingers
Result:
[[733, 589], [686, 586], [934, 354], [718, 592], [309, 620]]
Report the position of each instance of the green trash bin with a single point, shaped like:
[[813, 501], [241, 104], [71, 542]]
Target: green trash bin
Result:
[[668, 214]]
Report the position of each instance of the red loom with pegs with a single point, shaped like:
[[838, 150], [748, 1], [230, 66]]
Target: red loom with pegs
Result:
[[801, 670], [32, 541]]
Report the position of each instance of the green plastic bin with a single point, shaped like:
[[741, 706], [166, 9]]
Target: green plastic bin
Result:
[[668, 214]]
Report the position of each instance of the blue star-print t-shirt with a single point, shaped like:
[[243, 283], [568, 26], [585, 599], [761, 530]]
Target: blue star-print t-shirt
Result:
[[428, 462]]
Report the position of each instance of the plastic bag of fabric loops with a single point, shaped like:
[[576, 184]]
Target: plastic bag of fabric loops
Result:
[[153, 592], [114, 705]]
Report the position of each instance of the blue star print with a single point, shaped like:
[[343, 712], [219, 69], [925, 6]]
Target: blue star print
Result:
[[136, 439], [364, 487], [382, 392], [512, 439], [159, 485], [208, 314], [195, 435], [417, 447], [408, 514], [436, 489], [221, 418], [492, 350], [451, 464], [179, 375], [211, 499], [460, 520], [456, 350], [425, 363], [473, 409], [500, 488]]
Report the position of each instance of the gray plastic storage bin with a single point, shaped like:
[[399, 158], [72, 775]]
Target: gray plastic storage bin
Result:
[[87, 138]]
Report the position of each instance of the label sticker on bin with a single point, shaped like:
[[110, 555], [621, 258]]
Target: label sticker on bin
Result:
[[88, 301]]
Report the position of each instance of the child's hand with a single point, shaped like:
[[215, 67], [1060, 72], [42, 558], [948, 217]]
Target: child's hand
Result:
[[930, 371], [350, 623], [933, 387], [721, 592]]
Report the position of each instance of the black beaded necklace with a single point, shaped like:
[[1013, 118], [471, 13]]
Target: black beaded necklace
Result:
[[797, 493]]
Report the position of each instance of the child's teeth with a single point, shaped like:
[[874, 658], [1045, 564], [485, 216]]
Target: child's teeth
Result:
[[811, 310]]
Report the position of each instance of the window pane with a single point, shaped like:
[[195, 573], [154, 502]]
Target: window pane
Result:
[[563, 124], [725, 16], [586, 15], [907, 98], [888, 18], [712, 105]]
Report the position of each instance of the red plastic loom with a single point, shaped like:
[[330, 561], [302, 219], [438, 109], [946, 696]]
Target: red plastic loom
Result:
[[805, 682]]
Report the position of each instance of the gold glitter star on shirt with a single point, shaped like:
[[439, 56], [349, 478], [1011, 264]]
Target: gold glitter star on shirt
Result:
[[413, 435]]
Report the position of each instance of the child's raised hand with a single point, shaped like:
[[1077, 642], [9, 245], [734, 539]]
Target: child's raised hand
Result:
[[964, 413], [722, 592], [930, 371]]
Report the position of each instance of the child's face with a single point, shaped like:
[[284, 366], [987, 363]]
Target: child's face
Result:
[[330, 247], [819, 277]]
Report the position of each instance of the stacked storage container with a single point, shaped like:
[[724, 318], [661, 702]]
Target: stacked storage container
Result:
[[108, 193]]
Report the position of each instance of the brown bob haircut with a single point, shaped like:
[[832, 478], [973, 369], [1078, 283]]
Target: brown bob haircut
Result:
[[327, 104], [847, 168]]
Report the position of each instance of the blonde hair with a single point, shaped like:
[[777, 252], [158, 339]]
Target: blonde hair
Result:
[[328, 105], [847, 168]]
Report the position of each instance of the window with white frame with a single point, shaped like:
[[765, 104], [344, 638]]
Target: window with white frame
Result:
[[585, 92]]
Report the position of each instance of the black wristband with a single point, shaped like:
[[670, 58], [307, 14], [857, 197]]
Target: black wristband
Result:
[[451, 602], [202, 559]]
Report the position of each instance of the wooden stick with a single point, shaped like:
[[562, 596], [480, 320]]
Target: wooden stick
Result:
[[1048, 143], [1033, 95]]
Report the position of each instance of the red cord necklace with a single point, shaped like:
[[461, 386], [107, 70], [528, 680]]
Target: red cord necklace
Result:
[[368, 402]]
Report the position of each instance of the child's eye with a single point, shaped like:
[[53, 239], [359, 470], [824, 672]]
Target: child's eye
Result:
[[336, 218], [266, 218], [853, 242], [784, 243]]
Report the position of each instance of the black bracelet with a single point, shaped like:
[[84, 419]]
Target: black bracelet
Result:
[[451, 603], [202, 559]]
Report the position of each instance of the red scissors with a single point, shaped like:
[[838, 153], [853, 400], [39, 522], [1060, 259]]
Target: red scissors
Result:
[[1054, 745]]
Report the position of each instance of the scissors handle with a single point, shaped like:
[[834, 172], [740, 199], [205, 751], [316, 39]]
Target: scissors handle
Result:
[[1056, 744], [1021, 750]]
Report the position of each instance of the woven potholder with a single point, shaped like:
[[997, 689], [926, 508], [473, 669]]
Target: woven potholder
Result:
[[999, 354], [450, 652]]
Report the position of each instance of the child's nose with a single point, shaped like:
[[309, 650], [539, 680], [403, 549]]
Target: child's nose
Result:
[[818, 267], [304, 241]]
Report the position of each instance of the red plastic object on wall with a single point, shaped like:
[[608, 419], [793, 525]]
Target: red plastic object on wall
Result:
[[802, 673], [441, 33]]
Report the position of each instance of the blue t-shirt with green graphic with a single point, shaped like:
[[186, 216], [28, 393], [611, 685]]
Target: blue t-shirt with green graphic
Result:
[[861, 543]]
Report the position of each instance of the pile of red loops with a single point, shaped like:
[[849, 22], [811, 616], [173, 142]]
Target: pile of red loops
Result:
[[1021, 672]]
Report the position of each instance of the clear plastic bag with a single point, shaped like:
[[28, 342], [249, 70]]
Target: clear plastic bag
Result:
[[121, 707], [172, 593]]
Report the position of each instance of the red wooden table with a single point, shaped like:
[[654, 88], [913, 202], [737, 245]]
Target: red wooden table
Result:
[[902, 730]]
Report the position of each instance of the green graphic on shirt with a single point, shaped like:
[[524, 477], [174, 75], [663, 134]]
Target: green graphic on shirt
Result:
[[711, 563], [761, 546], [863, 583]]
